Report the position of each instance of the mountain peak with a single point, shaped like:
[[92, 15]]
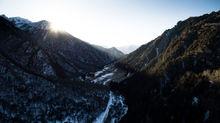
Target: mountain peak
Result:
[[4, 16], [26, 24], [19, 20]]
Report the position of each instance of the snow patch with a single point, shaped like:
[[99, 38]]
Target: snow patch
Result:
[[129, 74], [206, 117], [112, 102], [107, 75], [101, 71], [103, 79], [104, 114], [45, 36], [211, 81], [98, 73], [157, 51], [195, 100]]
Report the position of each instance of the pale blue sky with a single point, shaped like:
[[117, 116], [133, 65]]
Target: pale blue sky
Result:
[[110, 22]]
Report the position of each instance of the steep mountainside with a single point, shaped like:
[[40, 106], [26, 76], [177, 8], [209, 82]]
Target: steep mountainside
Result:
[[41, 75], [176, 76], [193, 37], [49, 53], [27, 25]]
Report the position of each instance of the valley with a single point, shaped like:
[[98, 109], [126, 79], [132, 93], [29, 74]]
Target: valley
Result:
[[48, 76]]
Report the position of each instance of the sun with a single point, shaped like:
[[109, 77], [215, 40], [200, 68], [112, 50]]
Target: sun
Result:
[[56, 27]]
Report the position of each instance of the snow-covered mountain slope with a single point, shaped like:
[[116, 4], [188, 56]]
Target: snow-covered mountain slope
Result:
[[41, 77], [27, 25], [51, 53], [26, 97], [19, 22]]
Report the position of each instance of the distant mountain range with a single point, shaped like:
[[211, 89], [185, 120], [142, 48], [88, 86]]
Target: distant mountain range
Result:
[[112, 51], [128, 49]]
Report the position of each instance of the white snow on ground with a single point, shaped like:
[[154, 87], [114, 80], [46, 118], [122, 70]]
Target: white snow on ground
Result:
[[103, 79], [101, 71], [129, 74], [110, 114], [115, 108], [105, 82], [98, 72], [195, 100], [101, 118], [45, 36], [157, 51], [112, 102], [107, 75], [211, 81]]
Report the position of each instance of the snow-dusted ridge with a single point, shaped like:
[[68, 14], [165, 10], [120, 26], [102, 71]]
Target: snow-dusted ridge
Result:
[[18, 21], [78, 103], [26, 24]]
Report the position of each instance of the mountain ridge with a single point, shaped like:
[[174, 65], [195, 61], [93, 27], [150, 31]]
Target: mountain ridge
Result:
[[53, 43], [176, 76], [42, 76], [112, 51]]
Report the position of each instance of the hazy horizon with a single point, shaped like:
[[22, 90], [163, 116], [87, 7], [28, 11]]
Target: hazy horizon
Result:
[[109, 23]]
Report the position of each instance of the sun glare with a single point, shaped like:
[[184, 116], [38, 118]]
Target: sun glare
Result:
[[56, 27]]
